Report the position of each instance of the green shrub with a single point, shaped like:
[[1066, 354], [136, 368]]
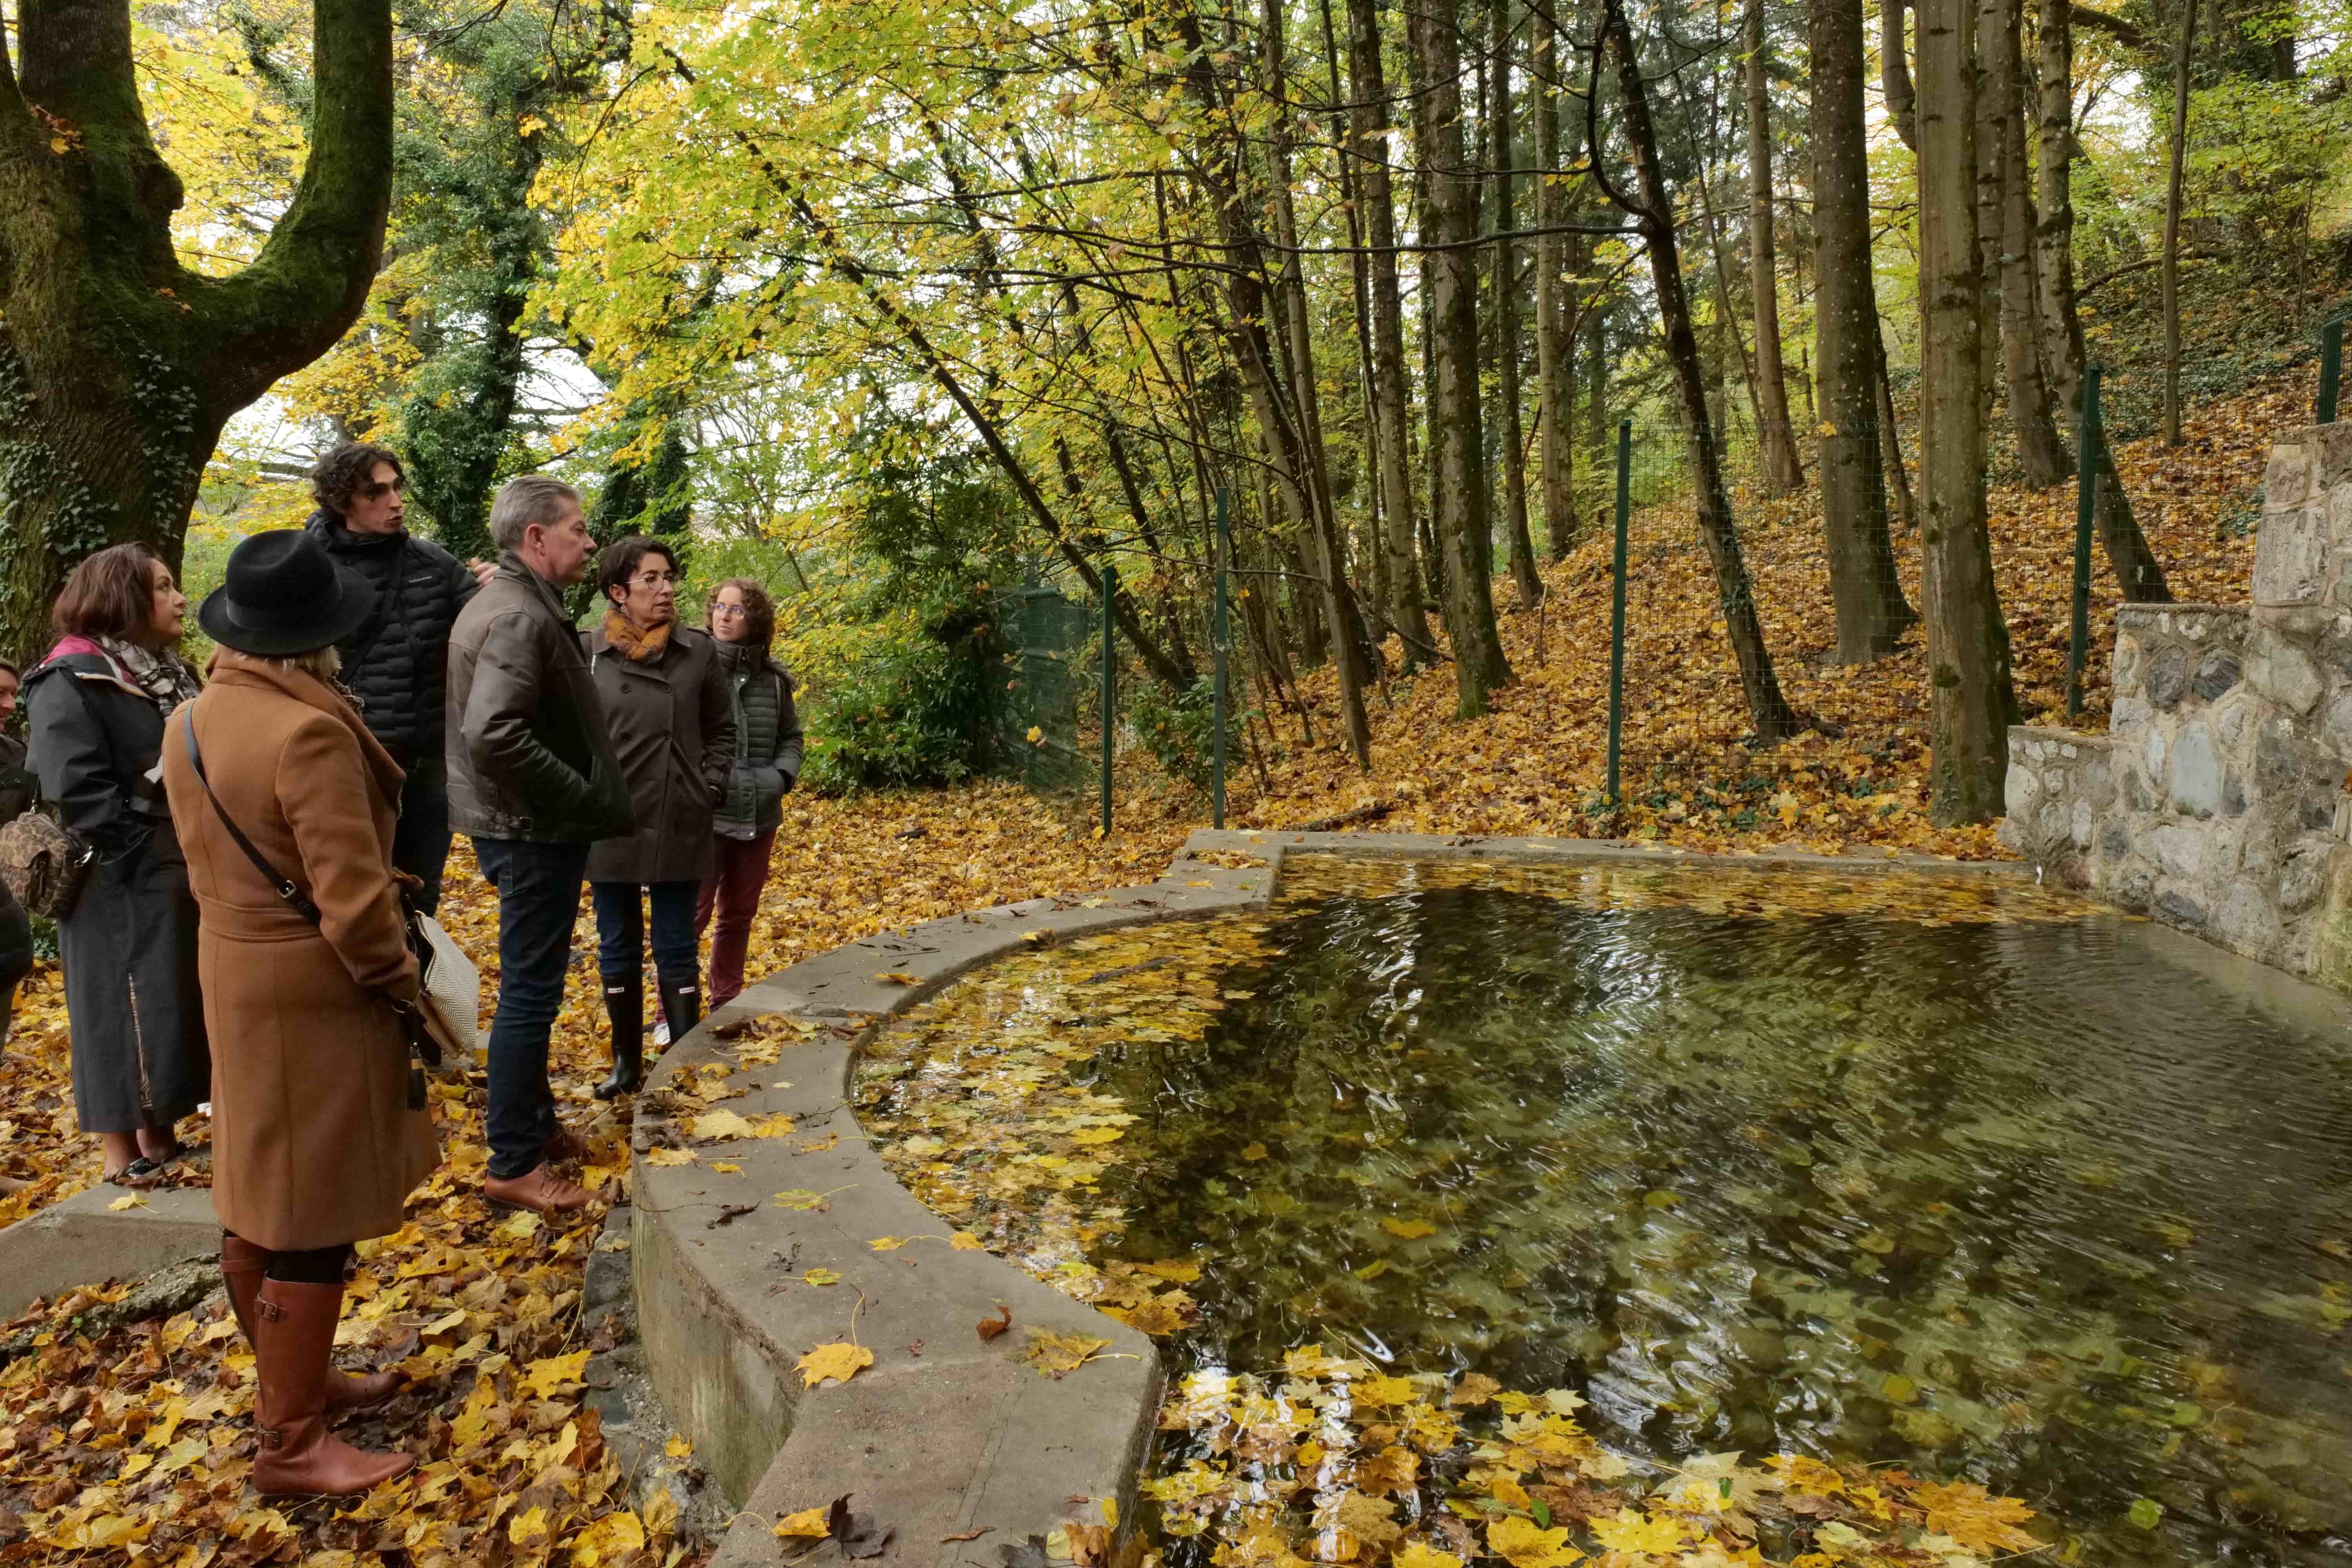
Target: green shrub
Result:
[[1180, 732]]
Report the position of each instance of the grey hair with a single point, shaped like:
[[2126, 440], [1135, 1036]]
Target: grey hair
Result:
[[534, 497]]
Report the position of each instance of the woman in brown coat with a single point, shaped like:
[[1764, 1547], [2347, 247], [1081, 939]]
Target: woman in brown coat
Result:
[[320, 1131]]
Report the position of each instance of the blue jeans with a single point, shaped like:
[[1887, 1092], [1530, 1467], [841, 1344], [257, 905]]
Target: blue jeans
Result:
[[539, 898], [621, 932]]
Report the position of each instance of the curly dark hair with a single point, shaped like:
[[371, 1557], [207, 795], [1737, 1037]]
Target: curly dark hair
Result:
[[347, 468], [619, 563], [759, 610]]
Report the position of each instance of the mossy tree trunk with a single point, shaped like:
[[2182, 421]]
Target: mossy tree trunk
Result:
[[118, 366]]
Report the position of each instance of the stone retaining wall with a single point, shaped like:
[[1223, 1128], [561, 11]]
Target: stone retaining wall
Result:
[[2215, 801]]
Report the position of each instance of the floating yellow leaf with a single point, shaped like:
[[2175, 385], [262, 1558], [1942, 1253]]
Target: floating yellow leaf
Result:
[[1631, 1531], [1255, 1152], [839, 1362], [1973, 1516], [1523, 1543], [1175, 1273], [1421, 1555], [1094, 1135], [1411, 1229]]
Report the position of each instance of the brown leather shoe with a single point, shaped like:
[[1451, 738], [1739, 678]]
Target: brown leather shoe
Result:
[[242, 1265], [298, 1456], [540, 1190], [565, 1145]]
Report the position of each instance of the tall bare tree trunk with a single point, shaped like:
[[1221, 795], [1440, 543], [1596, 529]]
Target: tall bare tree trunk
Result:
[[1969, 699], [1871, 614], [1507, 343], [1367, 118], [1457, 465], [2002, 83], [2061, 327], [2179, 157], [1782, 470], [2139, 575], [1903, 507], [1653, 210], [1894, 73], [1358, 664], [1557, 256]]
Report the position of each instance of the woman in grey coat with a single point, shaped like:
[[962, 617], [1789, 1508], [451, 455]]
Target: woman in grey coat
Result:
[[743, 621], [129, 944], [673, 732]]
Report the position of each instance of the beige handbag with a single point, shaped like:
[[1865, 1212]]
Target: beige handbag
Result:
[[450, 994]]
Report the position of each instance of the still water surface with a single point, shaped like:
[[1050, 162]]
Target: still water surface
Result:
[[2052, 1204]]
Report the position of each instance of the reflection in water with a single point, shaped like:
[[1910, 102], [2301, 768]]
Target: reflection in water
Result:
[[2024, 1201]]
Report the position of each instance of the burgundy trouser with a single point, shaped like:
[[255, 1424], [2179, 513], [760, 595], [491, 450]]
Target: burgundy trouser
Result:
[[733, 892]]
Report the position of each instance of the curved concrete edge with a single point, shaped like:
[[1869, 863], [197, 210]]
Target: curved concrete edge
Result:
[[945, 1433], [84, 1240]]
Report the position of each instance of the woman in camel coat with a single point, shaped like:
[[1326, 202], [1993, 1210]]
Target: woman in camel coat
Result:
[[317, 1138]]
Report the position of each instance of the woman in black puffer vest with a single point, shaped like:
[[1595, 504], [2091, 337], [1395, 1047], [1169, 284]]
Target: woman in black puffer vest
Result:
[[742, 621]]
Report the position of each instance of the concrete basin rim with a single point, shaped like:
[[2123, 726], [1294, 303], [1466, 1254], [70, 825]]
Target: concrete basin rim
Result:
[[742, 1393]]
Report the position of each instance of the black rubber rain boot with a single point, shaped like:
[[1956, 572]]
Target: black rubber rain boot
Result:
[[625, 1004], [682, 1004]]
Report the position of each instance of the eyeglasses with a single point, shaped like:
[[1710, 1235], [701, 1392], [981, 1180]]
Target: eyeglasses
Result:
[[655, 580], [728, 612]]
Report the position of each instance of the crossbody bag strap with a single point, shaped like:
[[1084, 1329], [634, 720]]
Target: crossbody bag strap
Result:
[[296, 899]]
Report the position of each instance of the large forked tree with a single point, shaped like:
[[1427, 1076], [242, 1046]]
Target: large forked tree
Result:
[[117, 366]]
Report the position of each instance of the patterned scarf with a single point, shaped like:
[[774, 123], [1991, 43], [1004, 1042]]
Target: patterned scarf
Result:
[[636, 643], [162, 676]]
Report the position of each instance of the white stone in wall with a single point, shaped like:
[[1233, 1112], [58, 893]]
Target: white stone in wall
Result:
[[2229, 718], [2287, 479], [2021, 787], [2078, 824], [2291, 556], [2196, 772], [2280, 672], [2179, 850], [2152, 757], [2246, 918]]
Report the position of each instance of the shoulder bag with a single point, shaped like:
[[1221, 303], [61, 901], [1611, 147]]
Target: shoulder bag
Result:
[[448, 999], [44, 864]]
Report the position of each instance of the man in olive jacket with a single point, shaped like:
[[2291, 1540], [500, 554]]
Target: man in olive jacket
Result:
[[533, 780]]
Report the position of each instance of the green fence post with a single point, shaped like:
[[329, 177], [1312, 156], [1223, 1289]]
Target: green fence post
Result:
[[1217, 646], [1617, 606], [2088, 439], [1109, 683], [2331, 369]]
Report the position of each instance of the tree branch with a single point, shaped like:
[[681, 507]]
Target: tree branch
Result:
[[308, 283]]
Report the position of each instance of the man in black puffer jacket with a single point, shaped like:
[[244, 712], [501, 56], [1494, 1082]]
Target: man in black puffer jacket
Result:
[[398, 661]]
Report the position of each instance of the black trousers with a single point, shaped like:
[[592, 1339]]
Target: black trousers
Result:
[[319, 1265], [16, 955]]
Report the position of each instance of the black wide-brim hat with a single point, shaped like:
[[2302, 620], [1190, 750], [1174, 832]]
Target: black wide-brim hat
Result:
[[284, 595]]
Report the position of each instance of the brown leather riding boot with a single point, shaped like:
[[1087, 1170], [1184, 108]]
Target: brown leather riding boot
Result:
[[298, 1456], [242, 1265]]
